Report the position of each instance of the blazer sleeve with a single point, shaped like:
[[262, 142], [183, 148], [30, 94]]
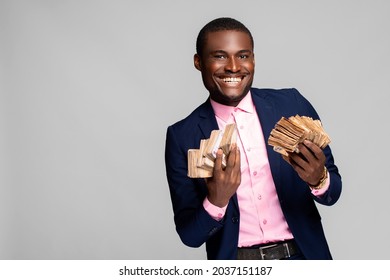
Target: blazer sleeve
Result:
[[193, 224]]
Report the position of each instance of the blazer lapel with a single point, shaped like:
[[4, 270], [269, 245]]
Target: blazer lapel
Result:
[[207, 123], [207, 120]]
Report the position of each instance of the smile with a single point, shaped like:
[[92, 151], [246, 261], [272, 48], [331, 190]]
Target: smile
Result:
[[232, 80]]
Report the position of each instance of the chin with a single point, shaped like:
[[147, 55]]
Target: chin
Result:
[[235, 96]]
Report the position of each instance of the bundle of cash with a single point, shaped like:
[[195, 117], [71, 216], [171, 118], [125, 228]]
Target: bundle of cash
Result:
[[289, 132], [201, 161]]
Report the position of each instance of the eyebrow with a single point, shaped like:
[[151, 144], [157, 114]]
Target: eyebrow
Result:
[[240, 51]]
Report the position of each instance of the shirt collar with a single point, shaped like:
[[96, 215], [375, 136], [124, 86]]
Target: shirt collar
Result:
[[224, 112]]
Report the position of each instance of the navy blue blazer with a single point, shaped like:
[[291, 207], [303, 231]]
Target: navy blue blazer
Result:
[[195, 226]]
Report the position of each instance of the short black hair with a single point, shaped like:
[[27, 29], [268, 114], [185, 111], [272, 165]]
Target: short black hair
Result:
[[220, 24]]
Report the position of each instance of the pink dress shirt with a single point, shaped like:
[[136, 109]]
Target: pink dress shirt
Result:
[[261, 217]]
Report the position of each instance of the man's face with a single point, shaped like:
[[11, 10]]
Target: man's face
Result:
[[227, 65]]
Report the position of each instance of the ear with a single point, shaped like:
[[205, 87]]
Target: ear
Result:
[[197, 62]]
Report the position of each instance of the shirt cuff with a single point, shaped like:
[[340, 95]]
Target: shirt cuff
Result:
[[217, 213], [323, 189]]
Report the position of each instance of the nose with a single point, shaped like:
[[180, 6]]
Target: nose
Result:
[[232, 65]]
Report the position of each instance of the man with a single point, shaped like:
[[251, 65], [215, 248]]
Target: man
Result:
[[260, 206]]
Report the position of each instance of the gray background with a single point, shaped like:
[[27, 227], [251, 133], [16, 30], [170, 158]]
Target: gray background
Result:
[[88, 89]]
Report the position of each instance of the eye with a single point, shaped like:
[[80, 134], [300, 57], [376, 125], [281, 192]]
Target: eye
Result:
[[243, 56], [220, 56]]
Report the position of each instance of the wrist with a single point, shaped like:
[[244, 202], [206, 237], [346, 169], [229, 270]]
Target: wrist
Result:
[[218, 202], [322, 181]]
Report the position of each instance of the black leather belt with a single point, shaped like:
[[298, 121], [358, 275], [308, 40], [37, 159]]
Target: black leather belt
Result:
[[273, 251]]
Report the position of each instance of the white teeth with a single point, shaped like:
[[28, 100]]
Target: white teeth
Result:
[[232, 80]]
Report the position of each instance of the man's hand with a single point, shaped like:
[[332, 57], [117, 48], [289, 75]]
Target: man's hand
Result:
[[224, 183], [308, 163]]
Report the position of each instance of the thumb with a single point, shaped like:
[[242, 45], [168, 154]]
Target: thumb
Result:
[[218, 161]]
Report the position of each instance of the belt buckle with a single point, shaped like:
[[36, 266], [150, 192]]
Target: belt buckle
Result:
[[285, 245], [262, 253]]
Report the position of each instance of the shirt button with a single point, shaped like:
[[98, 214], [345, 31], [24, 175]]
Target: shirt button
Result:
[[259, 197], [264, 222], [248, 149], [254, 173], [235, 109], [241, 127]]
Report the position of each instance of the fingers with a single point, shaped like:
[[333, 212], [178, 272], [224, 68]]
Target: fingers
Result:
[[313, 148], [309, 153], [309, 162], [218, 161], [224, 182], [233, 169], [237, 162], [297, 160], [233, 159], [232, 172]]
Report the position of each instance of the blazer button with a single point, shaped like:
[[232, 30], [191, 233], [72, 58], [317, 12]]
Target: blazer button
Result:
[[213, 230], [235, 220]]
